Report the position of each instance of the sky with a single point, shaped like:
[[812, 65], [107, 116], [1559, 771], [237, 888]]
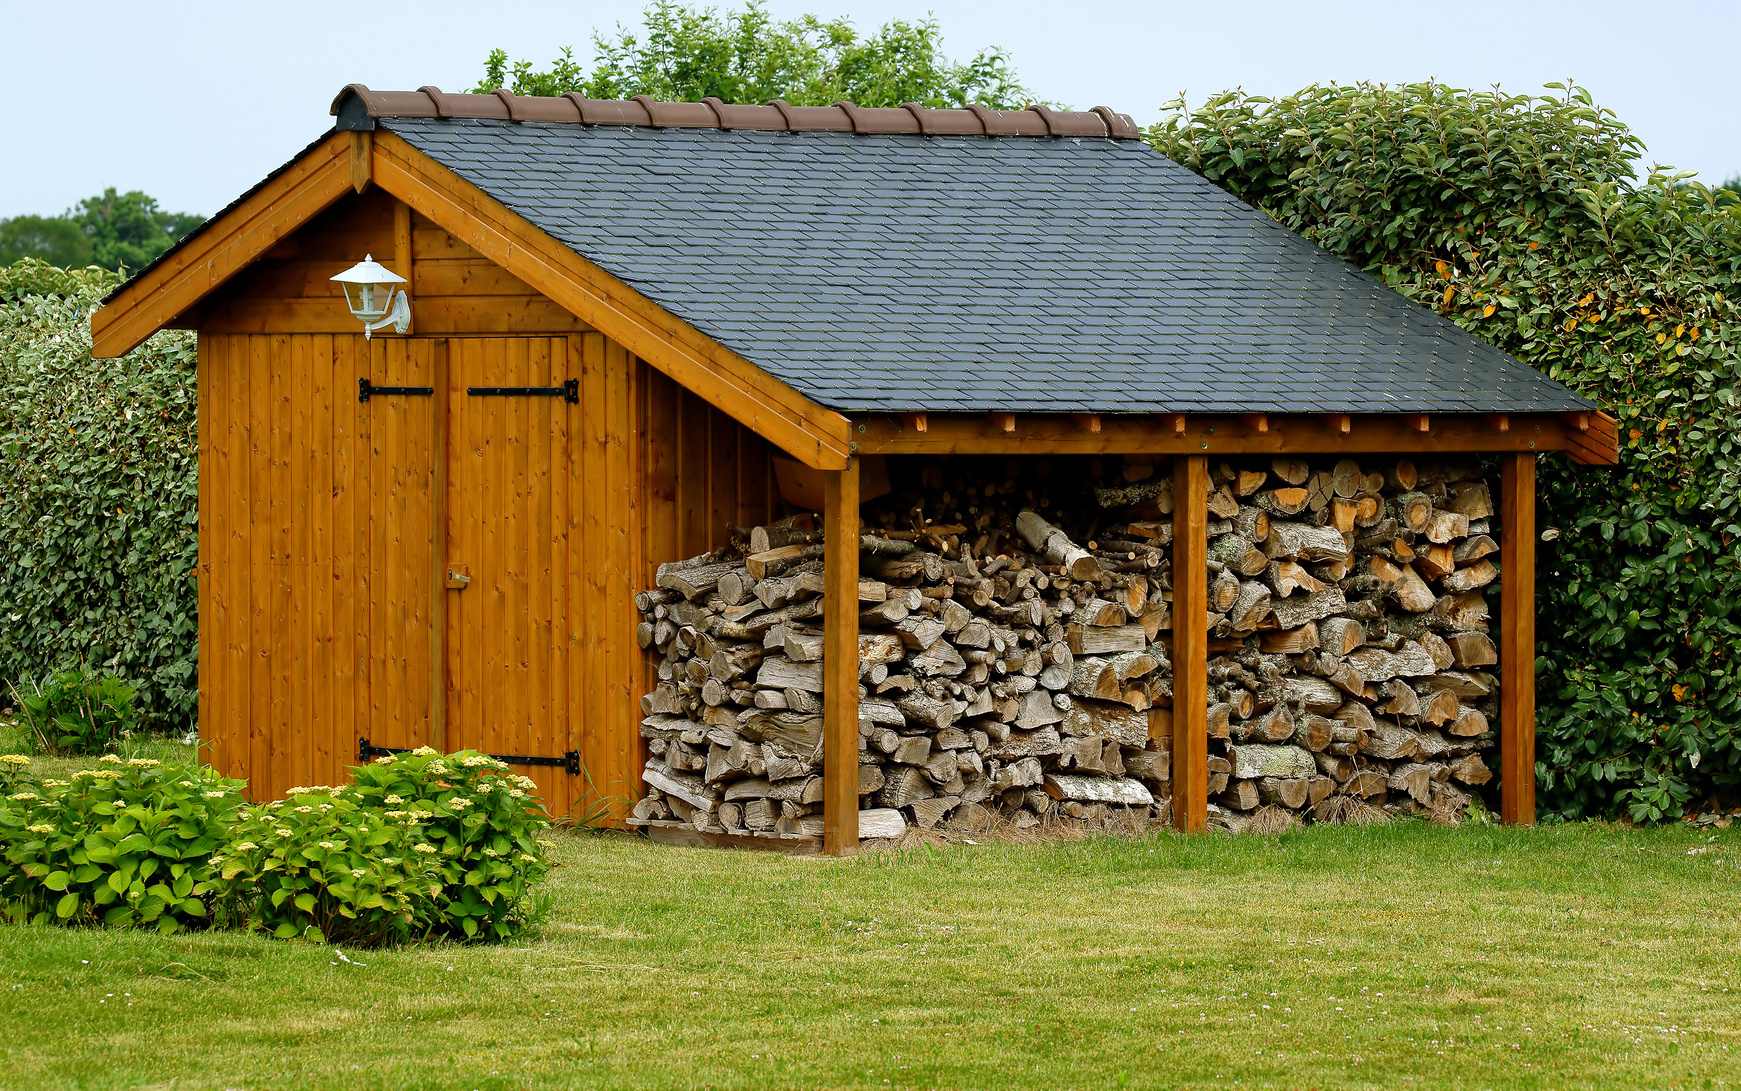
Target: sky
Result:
[[195, 102]]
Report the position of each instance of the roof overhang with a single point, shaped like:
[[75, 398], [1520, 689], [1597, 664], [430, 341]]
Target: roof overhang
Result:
[[1591, 439]]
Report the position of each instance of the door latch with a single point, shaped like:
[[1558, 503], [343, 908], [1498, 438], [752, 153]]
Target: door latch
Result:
[[457, 577]]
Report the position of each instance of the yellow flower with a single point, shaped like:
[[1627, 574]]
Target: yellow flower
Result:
[[393, 799], [425, 751], [305, 810], [20, 796], [111, 758], [423, 848], [246, 846], [386, 759], [326, 844], [215, 795], [144, 763], [40, 829], [14, 759]]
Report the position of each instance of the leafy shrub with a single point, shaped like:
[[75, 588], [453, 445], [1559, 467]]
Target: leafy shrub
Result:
[[98, 471], [323, 866], [33, 276], [76, 712], [1519, 218], [129, 844], [484, 824]]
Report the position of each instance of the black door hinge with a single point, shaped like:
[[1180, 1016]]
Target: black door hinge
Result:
[[569, 761], [367, 390], [569, 391]]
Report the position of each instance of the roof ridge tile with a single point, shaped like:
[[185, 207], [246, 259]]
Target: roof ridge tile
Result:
[[357, 107]]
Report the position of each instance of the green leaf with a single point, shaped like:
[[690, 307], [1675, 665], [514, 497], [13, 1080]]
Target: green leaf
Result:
[[67, 906]]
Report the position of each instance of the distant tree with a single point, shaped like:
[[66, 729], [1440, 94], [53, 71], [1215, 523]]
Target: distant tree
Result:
[[1729, 193], [685, 54], [113, 230], [54, 239], [128, 230]]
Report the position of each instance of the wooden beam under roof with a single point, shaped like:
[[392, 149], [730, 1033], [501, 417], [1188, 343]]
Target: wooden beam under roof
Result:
[[1294, 433]]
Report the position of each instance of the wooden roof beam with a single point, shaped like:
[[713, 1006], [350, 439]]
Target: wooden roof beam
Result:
[[1341, 423], [1003, 422], [1088, 422], [1304, 433], [914, 422], [1257, 422], [1499, 422]]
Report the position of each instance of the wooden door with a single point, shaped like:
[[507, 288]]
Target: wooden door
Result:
[[513, 608]]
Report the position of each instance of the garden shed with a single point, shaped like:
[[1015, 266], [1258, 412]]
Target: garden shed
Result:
[[625, 316]]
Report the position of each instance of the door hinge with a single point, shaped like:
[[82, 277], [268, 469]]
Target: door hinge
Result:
[[367, 390], [569, 761], [569, 391]]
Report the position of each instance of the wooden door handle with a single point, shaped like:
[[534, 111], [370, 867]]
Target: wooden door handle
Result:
[[458, 578]]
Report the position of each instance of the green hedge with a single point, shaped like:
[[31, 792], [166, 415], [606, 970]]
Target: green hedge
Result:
[[98, 496], [1519, 218]]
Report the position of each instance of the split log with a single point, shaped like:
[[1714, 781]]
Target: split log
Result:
[[1056, 546], [1125, 791]]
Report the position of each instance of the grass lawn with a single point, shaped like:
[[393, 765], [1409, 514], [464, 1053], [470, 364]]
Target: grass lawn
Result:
[[1407, 956]]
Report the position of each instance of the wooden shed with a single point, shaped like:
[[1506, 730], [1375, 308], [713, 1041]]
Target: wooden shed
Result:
[[622, 312]]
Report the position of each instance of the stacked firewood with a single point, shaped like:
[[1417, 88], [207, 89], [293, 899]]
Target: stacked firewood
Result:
[[1013, 655], [1350, 657], [1011, 660]]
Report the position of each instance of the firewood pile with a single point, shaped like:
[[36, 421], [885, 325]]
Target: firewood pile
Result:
[[1013, 662], [1012, 647], [1349, 650]]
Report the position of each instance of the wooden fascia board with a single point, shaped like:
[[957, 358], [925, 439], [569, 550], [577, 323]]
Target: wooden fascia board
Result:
[[969, 434], [816, 436], [153, 302]]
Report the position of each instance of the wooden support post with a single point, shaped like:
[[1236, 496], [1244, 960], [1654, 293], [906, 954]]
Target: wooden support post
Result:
[[840, 661], [1190, 643], [1516, 639]]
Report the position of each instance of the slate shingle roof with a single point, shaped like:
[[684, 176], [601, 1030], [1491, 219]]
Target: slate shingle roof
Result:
[[966, 274]]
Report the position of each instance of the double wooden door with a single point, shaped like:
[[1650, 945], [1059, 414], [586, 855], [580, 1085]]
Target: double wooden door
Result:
[[487, 582]]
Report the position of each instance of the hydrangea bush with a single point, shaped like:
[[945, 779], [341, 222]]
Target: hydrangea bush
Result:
[[421, 846], [129, 844], [483, 824], [321, 866]]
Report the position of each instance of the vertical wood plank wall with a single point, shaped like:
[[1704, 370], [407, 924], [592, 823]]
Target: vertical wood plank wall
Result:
[[700, 470], [285, 537]]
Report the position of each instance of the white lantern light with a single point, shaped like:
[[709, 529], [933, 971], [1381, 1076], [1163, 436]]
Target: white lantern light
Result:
[[368, 287]]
